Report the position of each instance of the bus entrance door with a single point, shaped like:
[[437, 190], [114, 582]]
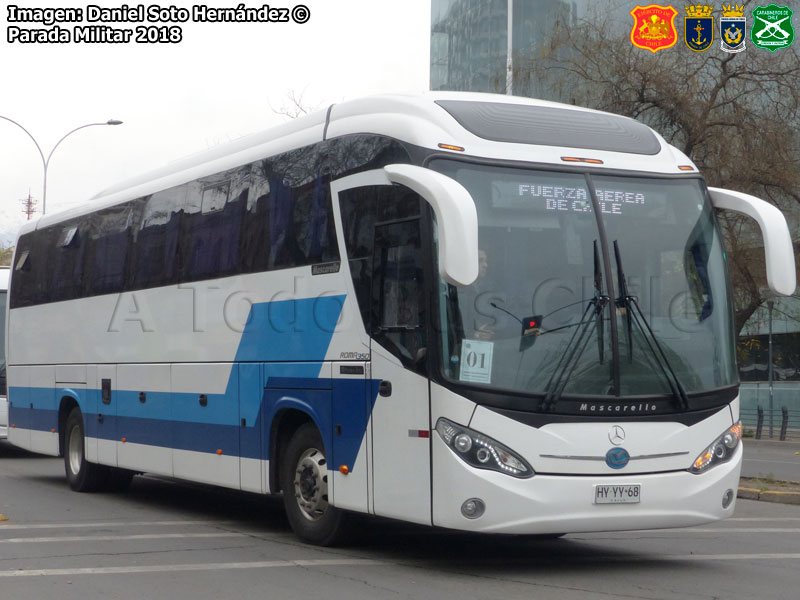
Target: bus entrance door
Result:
[[401, 416]]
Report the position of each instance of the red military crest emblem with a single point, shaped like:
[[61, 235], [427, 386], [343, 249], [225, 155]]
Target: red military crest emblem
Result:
[[654, 27]]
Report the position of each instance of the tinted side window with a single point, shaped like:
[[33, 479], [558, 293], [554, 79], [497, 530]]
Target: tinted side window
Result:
[[359, 208], [313, 225], [363, 152], [156, 239], [398, 290], [254, 241], [284, 251], [31, 278], [272, 214], [106, 236], [298, 212], [65, 267], [22, 286], [212, 224]]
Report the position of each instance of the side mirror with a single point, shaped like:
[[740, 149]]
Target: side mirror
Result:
[[777, 240], [456, 219]]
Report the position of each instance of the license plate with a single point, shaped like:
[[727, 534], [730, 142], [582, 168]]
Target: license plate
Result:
[[617, 494]]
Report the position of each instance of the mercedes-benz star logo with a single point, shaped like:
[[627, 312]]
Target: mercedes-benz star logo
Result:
[[617, 435]]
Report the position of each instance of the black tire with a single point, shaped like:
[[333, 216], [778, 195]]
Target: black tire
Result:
[[82, 475], [304, 481]]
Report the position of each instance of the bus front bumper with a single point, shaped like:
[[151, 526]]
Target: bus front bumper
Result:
[[555, 504]]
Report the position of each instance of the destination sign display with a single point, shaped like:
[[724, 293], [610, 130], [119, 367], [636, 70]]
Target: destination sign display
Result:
[[563, 198]]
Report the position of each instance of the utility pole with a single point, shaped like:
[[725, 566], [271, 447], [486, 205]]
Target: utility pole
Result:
[[29, 205], [510, 49]]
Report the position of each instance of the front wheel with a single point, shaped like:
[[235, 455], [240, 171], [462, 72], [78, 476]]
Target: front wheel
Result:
[[82, 476], [304, 480]]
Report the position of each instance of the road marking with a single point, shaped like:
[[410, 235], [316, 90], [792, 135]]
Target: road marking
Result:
[[683, 530], [112, 538], [782, 462], [725, 557], [7, 525], [270, 564], [733, 530], [357, 562]]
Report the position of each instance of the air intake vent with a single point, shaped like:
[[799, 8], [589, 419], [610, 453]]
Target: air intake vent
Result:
[[547, 126]]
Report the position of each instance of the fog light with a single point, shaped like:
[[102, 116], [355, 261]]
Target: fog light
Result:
[[473, 508], [727, 498]]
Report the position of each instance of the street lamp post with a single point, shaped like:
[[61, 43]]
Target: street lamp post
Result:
[[46, 161]]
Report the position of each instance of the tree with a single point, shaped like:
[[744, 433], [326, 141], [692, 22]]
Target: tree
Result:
[[294, 105], [737, 116]]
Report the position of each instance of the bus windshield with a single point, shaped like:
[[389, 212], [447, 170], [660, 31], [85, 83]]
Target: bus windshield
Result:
[[633, 304]]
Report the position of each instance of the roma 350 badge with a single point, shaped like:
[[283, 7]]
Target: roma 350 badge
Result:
[[654, 27]]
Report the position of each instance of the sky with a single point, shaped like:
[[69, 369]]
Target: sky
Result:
[[220, 82]]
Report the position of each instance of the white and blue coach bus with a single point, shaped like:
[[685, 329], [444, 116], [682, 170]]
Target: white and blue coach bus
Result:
[[469, 311]]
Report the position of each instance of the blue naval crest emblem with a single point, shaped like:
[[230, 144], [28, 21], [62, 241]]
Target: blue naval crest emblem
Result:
[[732, 28], [698, 28]]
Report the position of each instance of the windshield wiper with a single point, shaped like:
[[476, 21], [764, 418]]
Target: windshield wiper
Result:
[[580, 340], [634, 313]]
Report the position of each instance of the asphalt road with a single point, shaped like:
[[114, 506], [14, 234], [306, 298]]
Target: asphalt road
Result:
[[168, 540], [767, 458]]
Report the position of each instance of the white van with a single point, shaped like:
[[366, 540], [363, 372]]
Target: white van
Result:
[[3, 398]]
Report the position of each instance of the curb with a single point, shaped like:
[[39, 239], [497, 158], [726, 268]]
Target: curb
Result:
[[769, 496]]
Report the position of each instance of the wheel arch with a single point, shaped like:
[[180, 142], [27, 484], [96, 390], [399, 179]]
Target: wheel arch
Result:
[[69, 401], [289, 415]]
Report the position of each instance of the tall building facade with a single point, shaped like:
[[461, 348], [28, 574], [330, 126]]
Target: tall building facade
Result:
[[489, 45]]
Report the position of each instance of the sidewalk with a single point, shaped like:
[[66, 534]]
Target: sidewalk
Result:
[[784, 492], [790, 446], [769, 488]]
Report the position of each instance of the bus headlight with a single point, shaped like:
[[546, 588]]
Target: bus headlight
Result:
[[481, 451], [720, 451]]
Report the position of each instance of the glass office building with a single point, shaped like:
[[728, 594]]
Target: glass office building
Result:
[[489, 45]]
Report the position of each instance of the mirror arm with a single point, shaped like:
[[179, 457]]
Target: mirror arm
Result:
[[456, 219], [778, 247]]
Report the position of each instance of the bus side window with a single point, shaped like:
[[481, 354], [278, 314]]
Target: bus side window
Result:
[[398, 291], [359, 210]]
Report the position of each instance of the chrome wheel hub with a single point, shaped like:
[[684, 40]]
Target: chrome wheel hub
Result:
[[311, 484], [75, 445]]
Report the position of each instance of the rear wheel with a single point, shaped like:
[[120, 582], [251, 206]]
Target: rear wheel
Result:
[[82, 476], [304, 480]]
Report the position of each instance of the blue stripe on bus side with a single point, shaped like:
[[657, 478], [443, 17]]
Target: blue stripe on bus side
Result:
[[274, 331], [298, 330], [349, 405]]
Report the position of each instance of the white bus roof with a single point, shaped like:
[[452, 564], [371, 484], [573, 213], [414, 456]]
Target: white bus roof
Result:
[[486, 125]]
